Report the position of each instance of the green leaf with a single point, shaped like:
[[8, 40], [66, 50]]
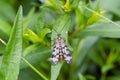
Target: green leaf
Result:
[[2, 48], [5, 27], [27, 19], [81, 77], [55, 70], [4, 14], [75, 3], [44, 32], [114, 8], [39, 25], [94, 18], [30, 48], [105, 18], [96, 57], [33, 68], [107, 67], [55, 5], [102, 29], [32, 36], [90, 77], [36, 56], [29, 34], [109, 43], [113, 77], [40, 22], [84, 47], [61, 27], [11, 58]]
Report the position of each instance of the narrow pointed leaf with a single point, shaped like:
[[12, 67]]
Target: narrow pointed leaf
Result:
[[61, 27], [11, 58]]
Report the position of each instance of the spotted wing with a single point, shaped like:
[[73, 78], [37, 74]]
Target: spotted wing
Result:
[[66, 54], [55, 54]]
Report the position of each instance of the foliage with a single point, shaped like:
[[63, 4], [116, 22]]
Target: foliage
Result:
[[90, 28]]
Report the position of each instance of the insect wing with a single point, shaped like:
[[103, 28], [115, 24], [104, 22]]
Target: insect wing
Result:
[[55, 54], [67, 54]]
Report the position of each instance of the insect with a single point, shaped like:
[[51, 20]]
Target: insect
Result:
[[60, 50]]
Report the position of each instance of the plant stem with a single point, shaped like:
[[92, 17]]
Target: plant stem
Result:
[[3, 42], [103, 76], [33, 68]]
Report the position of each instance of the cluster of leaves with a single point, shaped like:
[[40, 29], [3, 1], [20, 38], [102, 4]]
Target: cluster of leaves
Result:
[[93, 39]]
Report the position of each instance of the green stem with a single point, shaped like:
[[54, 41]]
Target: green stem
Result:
[[33, 68], [3, 42], [103, 77]]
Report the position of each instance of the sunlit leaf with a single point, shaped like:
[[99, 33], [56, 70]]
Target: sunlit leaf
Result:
[[11, 58]]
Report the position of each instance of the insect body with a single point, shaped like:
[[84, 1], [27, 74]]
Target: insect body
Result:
[[60, 50]]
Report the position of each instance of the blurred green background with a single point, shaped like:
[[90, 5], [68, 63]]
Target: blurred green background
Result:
[[93, 37]]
